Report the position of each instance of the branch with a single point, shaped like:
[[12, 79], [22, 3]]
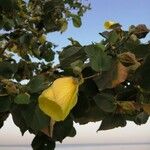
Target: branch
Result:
[[5, 47], [93, 76], [103, 36]]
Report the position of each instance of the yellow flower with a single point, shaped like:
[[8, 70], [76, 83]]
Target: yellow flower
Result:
[[109, 25], [59, 98]]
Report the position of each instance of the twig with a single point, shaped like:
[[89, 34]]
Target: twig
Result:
[[5, 47], [103, 36], [93, 76], [52, 123], [125, 40]]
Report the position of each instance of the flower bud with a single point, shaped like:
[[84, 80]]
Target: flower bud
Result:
[[109, 24], [58, 100]]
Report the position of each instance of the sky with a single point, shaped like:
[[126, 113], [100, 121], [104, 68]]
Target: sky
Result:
[[126, 12]]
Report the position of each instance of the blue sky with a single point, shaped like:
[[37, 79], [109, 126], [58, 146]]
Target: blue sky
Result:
[[126, 12]]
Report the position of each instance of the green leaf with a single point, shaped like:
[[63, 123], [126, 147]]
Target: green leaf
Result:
[[19, 121], [144, 98], [8, 4], [88, 71], [25, 70], [93, 114], [23, 98], [71, 54], [72, 132], [3, 117], [36, 84], [63, 129], [126, 94], [52, 11], [34, 117], [46, 52], [113, 77], [25, 40], [141, 118], [140, 50], [74, 42], [42, 142], [7, 69], [82, 105], [86, 110], [105, 102], [113, 37], [99, 60], [48, 55], [76, 21], [77, 66], [1, 22], [8, 23], [112, 121], [64, 25], [142, 75], [5, 103], [89, 87]]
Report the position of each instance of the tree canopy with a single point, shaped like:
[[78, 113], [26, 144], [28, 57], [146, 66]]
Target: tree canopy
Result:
[[113, 75]]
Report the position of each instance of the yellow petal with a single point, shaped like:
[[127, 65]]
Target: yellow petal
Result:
[[59, 98], [48, 105], [108, 24]]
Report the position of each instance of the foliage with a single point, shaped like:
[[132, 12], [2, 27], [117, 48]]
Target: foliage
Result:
[[115, 71]]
